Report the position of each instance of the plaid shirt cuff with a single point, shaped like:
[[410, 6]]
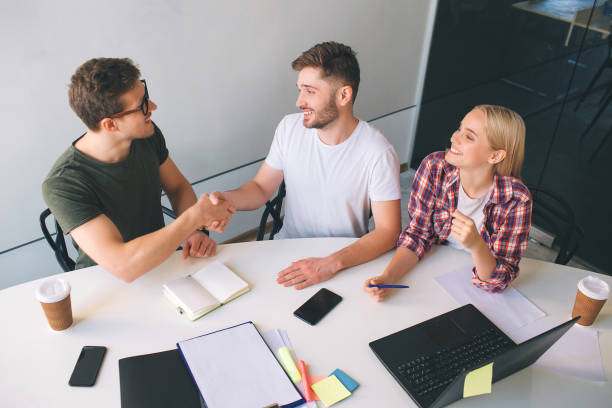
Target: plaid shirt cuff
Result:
[[502, 277], [415, 245]]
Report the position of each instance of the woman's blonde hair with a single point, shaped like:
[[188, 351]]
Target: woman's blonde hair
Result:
[[505, 131]]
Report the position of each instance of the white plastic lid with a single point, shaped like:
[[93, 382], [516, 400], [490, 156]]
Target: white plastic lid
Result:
[[53, 290], [594, 288]]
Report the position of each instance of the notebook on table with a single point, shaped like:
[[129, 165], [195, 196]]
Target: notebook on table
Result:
[[431, 359], [200, 293], [234, 368]]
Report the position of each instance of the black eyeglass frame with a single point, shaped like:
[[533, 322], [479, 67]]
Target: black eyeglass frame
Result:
[[144, 105]]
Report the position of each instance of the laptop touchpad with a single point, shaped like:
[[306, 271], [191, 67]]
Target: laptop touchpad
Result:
[[443, 331]]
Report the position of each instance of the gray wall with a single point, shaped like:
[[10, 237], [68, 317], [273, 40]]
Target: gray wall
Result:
[[219, 71]]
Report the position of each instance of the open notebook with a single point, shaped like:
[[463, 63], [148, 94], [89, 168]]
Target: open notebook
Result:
[[210, 287]]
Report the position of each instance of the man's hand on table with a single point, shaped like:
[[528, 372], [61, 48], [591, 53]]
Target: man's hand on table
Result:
[[199, 245], [309, 271]]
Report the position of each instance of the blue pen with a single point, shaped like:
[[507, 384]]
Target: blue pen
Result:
[[389, 286]]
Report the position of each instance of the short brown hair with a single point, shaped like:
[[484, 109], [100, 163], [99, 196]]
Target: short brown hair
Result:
[[335, 59], [96, 86], [505, 131]]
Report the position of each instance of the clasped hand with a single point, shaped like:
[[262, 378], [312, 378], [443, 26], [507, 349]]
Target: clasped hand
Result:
[[214, 215]]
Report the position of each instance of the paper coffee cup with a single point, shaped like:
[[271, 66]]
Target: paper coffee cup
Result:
[[54, 297], [591, 295]]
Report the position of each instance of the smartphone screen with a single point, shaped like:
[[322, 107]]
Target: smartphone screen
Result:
[[86, 369], [317, 306]]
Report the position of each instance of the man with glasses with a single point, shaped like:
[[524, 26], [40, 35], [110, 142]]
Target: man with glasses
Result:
[[105, 189]]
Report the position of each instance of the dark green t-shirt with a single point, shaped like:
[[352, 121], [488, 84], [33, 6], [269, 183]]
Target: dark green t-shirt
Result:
[[79, 188]]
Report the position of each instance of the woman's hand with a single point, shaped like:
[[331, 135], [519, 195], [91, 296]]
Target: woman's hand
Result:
[[464, 230]]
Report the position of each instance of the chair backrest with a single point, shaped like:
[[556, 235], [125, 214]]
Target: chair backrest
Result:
[[59, 244], [553, 214], [273, 208]]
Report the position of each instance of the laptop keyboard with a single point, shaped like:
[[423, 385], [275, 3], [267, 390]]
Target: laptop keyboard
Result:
[[433, 372]]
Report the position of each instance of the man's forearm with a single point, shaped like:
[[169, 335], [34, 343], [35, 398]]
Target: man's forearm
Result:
[[250, 196], [182, 199], [366, 248], [138, 256]]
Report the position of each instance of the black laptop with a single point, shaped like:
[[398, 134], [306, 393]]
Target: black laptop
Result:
[[431, 359]]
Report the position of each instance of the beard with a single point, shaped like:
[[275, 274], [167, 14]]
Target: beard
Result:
[[326, 116]]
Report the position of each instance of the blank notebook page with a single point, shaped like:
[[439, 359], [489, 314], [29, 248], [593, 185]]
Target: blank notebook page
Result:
[[220, 281], [191, 293], [234, 368]]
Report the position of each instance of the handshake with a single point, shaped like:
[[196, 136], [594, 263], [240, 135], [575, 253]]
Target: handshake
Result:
[[213, 211]]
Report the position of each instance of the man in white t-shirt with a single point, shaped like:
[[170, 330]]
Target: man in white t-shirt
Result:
[[336, 169]]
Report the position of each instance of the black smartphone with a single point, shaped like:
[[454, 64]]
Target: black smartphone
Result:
[[317, 306], [87, 366]]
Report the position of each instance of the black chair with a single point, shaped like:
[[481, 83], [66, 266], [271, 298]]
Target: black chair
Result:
[[59, 244], [554, 215], [273, 208]]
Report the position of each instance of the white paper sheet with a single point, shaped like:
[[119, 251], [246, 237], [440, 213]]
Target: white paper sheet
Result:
[[273, 339], [233, 368], [509, 310], [277, 338], [577, 353]]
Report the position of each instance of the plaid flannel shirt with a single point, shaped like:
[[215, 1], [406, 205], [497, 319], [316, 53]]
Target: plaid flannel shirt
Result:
[[507, 218]]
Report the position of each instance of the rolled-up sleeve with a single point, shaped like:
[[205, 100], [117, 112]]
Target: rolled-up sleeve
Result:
[[508, 246], [418, 234]]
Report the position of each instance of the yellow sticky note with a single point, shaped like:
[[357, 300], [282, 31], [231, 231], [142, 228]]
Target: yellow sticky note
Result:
[[478, 381], [288, 364], [330, 390]]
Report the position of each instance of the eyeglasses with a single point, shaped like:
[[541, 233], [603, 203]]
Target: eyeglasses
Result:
[[144, 106]]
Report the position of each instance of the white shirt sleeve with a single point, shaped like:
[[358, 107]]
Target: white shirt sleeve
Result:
[[385, 181], [275, 155]]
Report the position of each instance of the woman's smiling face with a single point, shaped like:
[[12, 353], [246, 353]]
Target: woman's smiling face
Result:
[[470, 147]]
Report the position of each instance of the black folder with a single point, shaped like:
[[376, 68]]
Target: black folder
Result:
[[157, 380]]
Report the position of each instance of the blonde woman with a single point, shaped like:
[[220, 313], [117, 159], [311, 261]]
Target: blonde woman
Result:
[[472, 197]]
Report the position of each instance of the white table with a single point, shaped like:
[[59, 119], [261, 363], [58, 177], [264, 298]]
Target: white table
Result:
[[132, 319]]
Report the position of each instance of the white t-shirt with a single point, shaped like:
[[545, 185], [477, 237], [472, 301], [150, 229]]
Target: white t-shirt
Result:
[[329, 188], [473, 208]]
